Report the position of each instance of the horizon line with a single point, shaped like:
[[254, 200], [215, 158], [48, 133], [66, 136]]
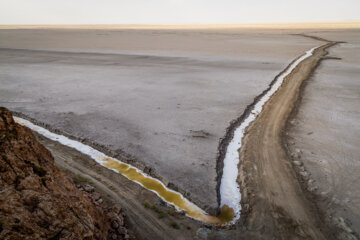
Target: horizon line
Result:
[[329, 24]]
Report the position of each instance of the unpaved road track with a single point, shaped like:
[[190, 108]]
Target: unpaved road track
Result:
[[144, 222], [277, 205]]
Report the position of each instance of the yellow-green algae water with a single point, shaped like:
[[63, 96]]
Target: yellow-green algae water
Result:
[[175, 198]]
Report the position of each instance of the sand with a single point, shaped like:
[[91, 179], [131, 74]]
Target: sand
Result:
[[164, 97]]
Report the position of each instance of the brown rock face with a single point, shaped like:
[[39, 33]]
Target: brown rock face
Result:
[[37, 201]]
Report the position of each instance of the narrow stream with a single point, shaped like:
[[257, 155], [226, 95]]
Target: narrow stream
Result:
[[174, 198], [229, 188]]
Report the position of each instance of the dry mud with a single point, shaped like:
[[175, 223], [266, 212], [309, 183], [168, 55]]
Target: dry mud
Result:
[[163, 97], [325, 133]]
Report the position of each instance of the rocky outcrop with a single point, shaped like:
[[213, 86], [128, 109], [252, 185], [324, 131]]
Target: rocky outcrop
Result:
[[37, 200], [114, 214]]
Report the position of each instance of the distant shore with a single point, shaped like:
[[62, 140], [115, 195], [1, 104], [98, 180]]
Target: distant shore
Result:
[[294, 25]]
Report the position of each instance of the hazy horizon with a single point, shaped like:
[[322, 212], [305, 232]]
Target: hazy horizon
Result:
[[173, 12]]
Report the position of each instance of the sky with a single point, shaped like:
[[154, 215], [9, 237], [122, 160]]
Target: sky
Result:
[[175, 11]]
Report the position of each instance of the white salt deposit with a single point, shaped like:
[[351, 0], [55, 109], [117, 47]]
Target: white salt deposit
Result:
[[102, 159], [229, 188]]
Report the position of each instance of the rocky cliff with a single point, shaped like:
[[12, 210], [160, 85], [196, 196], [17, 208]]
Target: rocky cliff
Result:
[[37, 200]]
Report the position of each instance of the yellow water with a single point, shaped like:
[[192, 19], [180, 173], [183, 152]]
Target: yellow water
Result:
[[226, 215]]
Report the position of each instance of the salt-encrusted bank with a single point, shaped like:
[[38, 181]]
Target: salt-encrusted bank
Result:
[[172, 197], [229, 188]]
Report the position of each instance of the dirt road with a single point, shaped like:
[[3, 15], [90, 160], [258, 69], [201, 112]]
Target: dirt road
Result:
[[144, 222], [276, 203]]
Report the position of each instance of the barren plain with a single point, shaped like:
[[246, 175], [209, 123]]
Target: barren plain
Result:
[[164, 97], [325, 134]]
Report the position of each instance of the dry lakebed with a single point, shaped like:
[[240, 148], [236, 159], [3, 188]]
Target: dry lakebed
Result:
[[169, 101]]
